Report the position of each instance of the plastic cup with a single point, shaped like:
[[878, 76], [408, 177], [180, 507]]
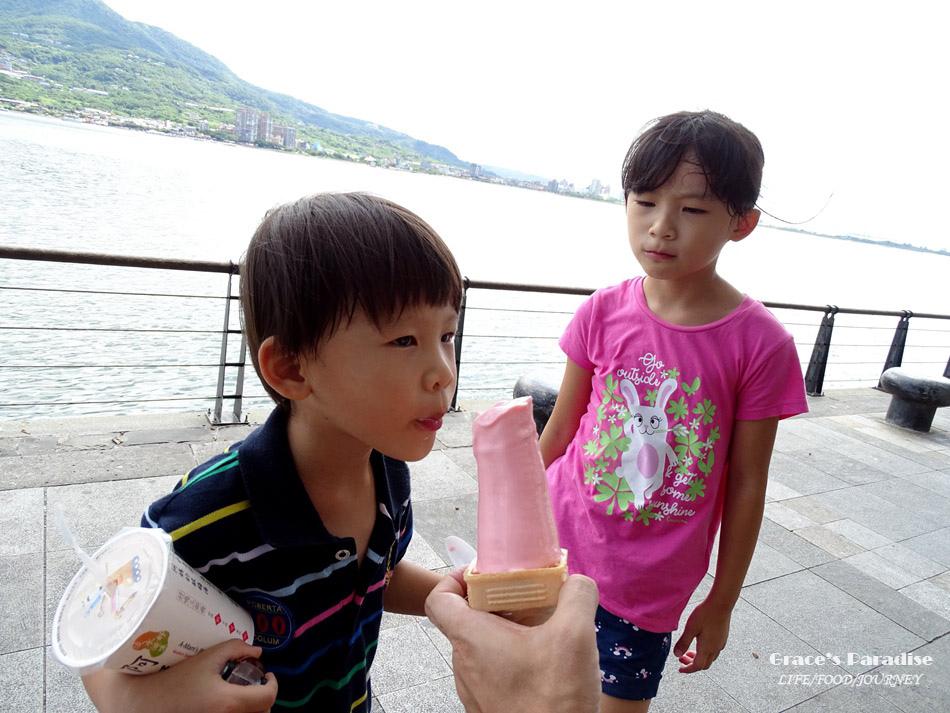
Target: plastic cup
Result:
[[156, 612]]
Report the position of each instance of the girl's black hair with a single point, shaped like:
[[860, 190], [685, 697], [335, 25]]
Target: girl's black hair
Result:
[[729, 155]]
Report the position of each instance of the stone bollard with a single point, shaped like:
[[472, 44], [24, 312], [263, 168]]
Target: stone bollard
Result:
[[543, 394], [914, 398]]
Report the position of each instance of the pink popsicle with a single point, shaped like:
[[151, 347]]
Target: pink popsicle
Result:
[[516, 527]]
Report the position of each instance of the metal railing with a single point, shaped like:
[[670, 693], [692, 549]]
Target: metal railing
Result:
[[505, 331]]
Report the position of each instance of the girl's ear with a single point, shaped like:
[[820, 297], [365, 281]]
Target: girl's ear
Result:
[[282, 371], [745, 225]]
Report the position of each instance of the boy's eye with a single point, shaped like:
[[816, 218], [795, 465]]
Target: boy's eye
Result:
[[694, 211], [645, 204], [406, 341], [448, 337]]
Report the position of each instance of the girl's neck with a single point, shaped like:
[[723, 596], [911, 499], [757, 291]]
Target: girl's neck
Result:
[[691, 303]]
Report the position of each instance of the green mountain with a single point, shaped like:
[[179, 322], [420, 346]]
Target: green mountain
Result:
[[135, 69]]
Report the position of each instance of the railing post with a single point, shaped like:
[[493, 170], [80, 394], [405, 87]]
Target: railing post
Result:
[[895, 355], [815, 376], [215, 416], [458, 344]]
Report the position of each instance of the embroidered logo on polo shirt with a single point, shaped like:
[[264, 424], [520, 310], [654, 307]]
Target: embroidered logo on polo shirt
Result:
[[273, 624]]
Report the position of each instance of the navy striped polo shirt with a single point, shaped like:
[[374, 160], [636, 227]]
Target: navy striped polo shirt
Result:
[[245, 521]]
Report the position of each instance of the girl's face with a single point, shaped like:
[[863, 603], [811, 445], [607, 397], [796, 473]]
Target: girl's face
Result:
[[677, 231]]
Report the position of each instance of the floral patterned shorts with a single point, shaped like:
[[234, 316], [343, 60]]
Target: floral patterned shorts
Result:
[[631, 659]]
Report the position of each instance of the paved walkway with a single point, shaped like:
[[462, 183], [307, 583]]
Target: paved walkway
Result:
[[853, 559]]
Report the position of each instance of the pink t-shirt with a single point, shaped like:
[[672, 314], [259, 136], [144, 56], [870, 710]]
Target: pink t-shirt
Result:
[[638, 493]]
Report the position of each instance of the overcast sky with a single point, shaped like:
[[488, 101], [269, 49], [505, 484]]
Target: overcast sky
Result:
[[848, 97]]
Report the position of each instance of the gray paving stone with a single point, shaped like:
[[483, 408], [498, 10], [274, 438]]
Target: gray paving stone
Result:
[[776, 492], [935, 481], [921, 501], [786, 517], [394, 671], [437, 519], [692, 692], [827, 618], [791, 545], [22, 514], [833, 463], [904, 557], [424, 553], [858, 534], [437, 476], [801, 477], [95, 512], [934, 545], [812, 509], [436, 696], [846, 699], [932, 693], [746, 668], [830, 541], [464, 458], [930, 595], [891, 574], [64, 689], [887, 601], [21, 688], [64, 468], [768, 563], [881, 459], [884, 517], [143, 436], [21, 591]]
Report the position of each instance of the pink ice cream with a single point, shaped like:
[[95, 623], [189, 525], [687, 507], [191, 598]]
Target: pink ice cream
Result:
[[516, 527]]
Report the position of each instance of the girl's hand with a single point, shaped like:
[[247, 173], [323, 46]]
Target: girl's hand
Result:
[[192, 685], [709, 626]]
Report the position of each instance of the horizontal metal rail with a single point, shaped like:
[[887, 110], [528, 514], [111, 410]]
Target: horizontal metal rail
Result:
[[485, 349]]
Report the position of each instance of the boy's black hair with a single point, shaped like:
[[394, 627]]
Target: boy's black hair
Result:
[[729, 155], [313, 263]]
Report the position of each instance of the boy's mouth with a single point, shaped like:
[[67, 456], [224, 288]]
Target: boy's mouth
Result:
[[659, 255], [432, 423]]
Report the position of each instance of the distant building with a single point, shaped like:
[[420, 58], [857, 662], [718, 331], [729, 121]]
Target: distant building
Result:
[[288, 136], [552, 185], [245, 125], [474, 170], [203, 125], [265, 126], [594, 188]]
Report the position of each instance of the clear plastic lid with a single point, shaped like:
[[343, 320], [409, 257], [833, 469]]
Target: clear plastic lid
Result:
[[94, 618]]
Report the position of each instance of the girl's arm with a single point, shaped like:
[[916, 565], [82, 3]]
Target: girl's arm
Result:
[[408, 588], [749, 457], [571, 404]]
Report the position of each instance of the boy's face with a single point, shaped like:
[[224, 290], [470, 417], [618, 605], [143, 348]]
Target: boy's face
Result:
[[383, 388], [678, 230]]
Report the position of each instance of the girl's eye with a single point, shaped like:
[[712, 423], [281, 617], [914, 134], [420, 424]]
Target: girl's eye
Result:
[[404, 341], [694, 211], [448, 337]]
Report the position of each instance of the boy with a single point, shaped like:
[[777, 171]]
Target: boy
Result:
[[350, 305]]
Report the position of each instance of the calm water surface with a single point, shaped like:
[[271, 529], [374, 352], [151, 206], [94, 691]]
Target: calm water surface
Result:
[[87, 188]]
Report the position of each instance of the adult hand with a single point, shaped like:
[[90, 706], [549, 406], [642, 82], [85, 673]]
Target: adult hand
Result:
[[502, 666], [192, 685]]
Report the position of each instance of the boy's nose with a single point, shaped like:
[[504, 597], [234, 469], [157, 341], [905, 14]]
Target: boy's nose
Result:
[[441, 373]]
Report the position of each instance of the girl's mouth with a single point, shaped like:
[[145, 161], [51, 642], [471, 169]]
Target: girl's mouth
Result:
[[433, 423]]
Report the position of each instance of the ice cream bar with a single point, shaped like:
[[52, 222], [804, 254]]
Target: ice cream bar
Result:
[[519, 564]]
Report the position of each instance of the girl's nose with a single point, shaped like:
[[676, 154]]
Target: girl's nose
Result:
[[662, 226]]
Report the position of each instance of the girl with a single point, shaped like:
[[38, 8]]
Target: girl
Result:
[[665, 419]]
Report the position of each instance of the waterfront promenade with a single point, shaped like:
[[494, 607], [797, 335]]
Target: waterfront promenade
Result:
[[853, 559]]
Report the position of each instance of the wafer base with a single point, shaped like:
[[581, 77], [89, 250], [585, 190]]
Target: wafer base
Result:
[[515, 591]]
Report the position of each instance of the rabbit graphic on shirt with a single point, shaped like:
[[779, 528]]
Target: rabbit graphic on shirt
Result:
[[643, 464]]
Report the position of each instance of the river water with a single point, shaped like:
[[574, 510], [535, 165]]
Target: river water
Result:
[[80, 187]]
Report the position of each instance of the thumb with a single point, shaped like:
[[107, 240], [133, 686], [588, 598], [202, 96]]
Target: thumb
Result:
[[577, 599], [231, 650], [685, 640]]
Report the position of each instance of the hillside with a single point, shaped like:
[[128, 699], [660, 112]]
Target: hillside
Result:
[[90, 56]]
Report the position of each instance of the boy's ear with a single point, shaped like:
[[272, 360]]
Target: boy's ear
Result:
[[745, 225], [282, 371]]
